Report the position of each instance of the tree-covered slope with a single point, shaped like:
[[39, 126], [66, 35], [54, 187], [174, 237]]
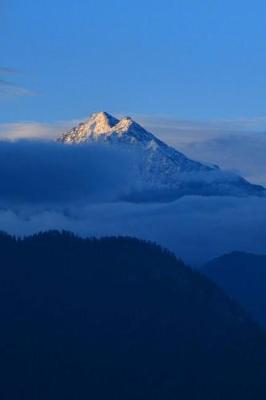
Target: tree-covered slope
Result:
[[243, 277], [119, 318]]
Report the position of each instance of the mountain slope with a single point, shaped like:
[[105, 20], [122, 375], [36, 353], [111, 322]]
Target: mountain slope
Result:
[[243, 276], [119, 318], [161, 171]]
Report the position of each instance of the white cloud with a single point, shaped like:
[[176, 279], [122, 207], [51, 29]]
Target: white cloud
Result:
[[10, 89], [33, 130]]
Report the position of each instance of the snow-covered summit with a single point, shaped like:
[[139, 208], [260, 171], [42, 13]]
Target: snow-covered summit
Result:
[[98, 124], [102, 124], [103, 127], [164, 171]]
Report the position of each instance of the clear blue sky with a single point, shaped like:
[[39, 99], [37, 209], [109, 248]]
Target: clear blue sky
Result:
[[193, 59]]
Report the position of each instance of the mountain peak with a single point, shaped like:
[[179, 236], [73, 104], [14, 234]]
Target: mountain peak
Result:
[[126, 124], [101, 122], [160, 169], [102, 116], [98, 124]]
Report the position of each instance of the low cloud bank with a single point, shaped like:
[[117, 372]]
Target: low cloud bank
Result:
[[53, 186], [195, 228], [45, 173]]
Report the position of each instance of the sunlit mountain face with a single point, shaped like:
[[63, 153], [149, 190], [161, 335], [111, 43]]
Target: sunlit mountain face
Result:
[[161, 172]]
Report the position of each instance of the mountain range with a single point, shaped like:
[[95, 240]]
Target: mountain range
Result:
[[161, 172]]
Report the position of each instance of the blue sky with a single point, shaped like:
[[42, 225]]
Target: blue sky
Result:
[[187, 59]]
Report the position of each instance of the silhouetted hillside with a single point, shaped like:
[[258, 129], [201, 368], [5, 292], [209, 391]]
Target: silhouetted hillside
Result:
[[243, 276], [119, 318]]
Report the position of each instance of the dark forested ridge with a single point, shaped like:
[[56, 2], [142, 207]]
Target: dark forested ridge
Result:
[[243, 277], [118, 318]]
